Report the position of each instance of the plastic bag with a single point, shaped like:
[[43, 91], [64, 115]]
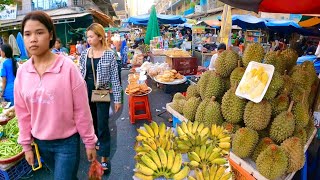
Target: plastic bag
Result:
[[95, 171]]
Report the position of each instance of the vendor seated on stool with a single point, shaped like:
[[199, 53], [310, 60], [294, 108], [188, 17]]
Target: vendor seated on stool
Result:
[[221, 48]]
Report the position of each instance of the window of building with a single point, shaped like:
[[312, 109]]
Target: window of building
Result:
[[48, 4]]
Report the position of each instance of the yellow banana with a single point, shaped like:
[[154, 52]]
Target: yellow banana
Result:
[[155, 158], [219, 161], [143, 133], [140, 149], [155, 128], [177, 163], [191, 178], [189, 125], [208, 151], [199, 174], [220, 172], [194, 127], [188, 143], [226, 139], [148, 129], [205, 173], [151, 143], [149, 163], [162, 129], [214, 130], [144, 169], [192, 136], [226, 176], [204, 131], [200, 127], [213, 170], [197, 150], [224, 152], [224, 145], [180, 131], [184, 127], [213, 156], [197, 142], [170, 159], [194, 163], [140, 138], [183, 173], [222, 135], [141, 176], [183, 147], [194, 156], [169, 145], [163, 142], [163, 157], [146, 146], [202, 154]]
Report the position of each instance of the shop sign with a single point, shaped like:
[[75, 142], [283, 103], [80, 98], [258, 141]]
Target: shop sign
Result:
[[198, 29], [9, 12]]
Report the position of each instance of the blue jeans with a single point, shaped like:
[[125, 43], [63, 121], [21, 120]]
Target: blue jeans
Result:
[[62, 156]]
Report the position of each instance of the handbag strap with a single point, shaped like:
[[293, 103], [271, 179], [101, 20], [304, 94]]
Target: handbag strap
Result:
[[93, 71]]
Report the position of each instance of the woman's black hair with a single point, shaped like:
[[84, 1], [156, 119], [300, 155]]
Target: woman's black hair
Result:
[[44, 19], [8, 53]]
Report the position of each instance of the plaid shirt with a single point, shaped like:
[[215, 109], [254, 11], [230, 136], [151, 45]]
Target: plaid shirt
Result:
[[107, 71]]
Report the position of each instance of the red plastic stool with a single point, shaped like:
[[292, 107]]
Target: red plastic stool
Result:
[[139, 103]]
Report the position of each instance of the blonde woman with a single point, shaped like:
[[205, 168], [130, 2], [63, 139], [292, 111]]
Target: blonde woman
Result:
[[106, 72]]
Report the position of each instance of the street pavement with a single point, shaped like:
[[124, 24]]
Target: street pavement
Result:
[[123, 135]]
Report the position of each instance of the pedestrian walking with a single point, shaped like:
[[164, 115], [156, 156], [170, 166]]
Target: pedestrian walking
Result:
[[8, 73], [51, 102], [98, 67]]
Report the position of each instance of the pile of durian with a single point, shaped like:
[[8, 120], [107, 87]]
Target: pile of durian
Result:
[[273, 132]]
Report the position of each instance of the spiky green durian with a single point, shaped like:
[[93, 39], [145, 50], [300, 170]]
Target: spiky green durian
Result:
[[253, 52], [190, 108], [294, 149], [244, 142], [274, 86], [178, 96], [192, 91], [210, 84], [226, 62], [231, 128], [262, 145], [277, 60], [300, 133], [257, 115], [237, 74], [272, 162], [301, 114], [232, 106], [280, 104], [178, 105], [291, 57]]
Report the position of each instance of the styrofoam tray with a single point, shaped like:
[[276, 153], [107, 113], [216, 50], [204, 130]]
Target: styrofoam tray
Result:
[[269, 69]]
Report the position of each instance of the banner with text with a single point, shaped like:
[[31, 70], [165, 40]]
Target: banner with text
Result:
[[9, 12]]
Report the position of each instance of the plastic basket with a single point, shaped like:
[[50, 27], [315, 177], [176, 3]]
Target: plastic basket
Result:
[[239, 172], [16, 171]]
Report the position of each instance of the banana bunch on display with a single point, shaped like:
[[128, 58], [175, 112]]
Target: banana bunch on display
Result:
[[220, 138], [205, 156], [153, 137], [211, 173], [161, 163], [190, 136], [255, 82]]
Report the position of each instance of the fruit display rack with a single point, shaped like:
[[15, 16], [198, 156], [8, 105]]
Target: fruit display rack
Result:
[[249, 166]]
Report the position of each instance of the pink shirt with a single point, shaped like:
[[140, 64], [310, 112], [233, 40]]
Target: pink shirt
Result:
[[54, 106]]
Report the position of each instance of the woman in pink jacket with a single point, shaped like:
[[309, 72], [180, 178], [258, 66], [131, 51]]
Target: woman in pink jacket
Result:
[[51, 102]]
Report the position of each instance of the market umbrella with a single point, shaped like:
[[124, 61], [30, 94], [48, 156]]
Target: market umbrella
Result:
[[22, 47], [277, 6], [153, 26], [309, 21]]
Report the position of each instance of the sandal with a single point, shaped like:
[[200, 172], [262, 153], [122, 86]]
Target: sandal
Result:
[[106, 167]]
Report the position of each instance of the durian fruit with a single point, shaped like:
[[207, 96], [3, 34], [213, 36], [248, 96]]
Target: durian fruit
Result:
[[262, 145], [244, 142], [227, 84], [294, 149], [209, 112], [272, 162], [237, 74], [298, 93], [190, 108], [283, 125], [192, 91], [257, 115], [301, 114], [178, 105], [301, 77], [274, 86], [226, 62], [302, 134], [231, 128], [291, 57], [232, 106], [277, 60], [309, 67], [280, 104], [210, 84], [310, 127], [287, 84], [178, 96], [253, 52]]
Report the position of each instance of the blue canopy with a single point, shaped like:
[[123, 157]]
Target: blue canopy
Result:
[[287, 27], [22, 47], [248, 21], [162, 19]]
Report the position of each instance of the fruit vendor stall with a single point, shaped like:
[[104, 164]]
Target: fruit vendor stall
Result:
[[264, 103]]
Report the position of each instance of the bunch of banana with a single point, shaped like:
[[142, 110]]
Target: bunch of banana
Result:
[[160, 163], [191, 135], [153, 137], [205, 156], [220, 138], [213, 173]]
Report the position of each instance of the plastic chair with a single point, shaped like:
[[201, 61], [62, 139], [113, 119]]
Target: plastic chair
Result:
[[139, 103]]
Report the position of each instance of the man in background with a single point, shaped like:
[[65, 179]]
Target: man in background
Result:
[[222, 47]]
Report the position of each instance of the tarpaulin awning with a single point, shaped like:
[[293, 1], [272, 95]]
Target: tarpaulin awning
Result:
[[277, 6], [289, 26], [248, 21], [162, 19], [309, 21]]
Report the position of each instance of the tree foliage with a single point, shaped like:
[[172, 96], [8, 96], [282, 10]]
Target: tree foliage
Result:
[[5, 2]]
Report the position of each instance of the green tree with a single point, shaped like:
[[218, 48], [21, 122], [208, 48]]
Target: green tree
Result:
[[5, 2]]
